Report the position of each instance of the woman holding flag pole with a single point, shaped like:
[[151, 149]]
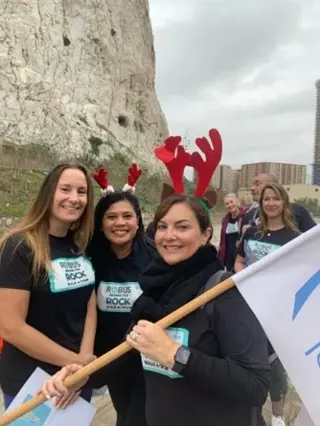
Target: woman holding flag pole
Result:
[[276, 228], [211, 368]]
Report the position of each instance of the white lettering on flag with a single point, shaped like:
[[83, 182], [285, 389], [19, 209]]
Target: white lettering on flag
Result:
[[283, 290]]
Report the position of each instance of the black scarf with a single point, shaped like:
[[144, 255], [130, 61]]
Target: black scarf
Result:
[[168, 287]]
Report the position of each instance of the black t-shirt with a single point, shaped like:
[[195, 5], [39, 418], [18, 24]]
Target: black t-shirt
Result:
[[232, 231], [254, 246], [57, 306], [302, 217], [117, 287], [227, 377]]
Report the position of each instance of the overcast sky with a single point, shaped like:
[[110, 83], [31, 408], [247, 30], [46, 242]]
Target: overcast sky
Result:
[[246, 67]]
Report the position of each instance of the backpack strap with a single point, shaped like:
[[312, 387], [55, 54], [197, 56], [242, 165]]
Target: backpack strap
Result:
[[217, 278], [214, 280], [273, 357]]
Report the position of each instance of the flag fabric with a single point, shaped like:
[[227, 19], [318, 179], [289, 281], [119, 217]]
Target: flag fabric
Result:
[[303, 419], [283, 290]]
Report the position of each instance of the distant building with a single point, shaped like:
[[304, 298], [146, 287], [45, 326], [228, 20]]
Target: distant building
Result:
[[316, 154], [216, 178], [287, 173], [223, 178], [236, 175], [240, 180]]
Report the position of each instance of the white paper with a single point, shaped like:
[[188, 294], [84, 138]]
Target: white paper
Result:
[[80, 413]]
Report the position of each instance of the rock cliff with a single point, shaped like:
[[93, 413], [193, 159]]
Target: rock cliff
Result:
[[79, 75]]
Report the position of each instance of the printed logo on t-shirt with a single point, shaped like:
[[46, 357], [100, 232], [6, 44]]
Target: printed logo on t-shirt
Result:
[[117, 297], [179, 335], [256, 250], [70, 274], [232, 228]]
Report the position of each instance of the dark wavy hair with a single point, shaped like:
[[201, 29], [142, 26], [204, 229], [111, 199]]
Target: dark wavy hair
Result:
[[99, 248]]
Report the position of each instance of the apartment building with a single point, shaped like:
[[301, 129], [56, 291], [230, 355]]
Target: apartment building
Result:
[[223, 178], [287, 173]]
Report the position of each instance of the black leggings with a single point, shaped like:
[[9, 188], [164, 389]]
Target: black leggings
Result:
[[125, 380], [278, 381], [129, 400]]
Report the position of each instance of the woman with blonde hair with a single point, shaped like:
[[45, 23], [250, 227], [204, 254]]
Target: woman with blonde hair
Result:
[[276, 228], [47, 297], [230, 227]]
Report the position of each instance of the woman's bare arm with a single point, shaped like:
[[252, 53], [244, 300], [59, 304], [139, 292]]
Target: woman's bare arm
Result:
[[239, 263], [89, 333], [14, 329]]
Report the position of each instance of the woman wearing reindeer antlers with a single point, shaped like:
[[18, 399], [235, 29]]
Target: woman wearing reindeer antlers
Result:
[[119, 252], [211, 368]]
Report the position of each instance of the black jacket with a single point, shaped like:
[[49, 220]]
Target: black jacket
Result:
[[226, 381]]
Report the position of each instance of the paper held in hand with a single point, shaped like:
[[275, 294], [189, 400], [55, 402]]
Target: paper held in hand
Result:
[[81, 413]]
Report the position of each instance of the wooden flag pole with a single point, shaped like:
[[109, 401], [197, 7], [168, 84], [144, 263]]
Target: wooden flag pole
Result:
[[120, 350]]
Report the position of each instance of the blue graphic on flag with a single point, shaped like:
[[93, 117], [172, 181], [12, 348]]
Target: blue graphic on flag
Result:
[[304, 293]]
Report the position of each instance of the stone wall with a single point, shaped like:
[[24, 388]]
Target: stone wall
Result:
[[80, 77]]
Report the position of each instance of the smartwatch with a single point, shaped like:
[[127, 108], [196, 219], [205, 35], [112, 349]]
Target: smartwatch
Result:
[[181, 359]]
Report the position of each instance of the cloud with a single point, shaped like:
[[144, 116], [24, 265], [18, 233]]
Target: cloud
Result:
[[247, 68]]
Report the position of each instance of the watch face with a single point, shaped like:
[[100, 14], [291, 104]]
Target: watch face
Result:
[[183, 355]]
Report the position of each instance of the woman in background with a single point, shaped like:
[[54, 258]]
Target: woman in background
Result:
[[229, 230], [276, 228]]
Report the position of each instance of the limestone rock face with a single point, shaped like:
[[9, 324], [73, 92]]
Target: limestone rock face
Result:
[[79, 75]]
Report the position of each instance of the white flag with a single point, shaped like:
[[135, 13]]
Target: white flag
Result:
[[303, 419], [283, 290]]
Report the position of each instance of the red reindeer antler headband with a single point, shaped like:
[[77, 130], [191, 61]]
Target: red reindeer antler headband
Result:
[[101, 177], [206, 168], [176, 159], [134, 174]]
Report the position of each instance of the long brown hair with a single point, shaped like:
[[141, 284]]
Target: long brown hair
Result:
[[287, 214], [34, 225]]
